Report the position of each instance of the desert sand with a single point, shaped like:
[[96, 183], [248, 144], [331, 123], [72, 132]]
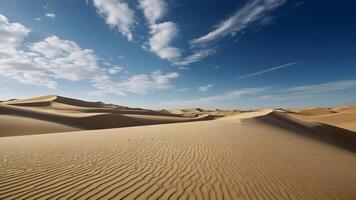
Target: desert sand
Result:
[[343, 117], [50, 150], [53, 113]]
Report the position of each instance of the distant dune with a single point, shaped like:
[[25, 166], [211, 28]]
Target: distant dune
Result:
[[52, 113], [211, 154], [343, 117]]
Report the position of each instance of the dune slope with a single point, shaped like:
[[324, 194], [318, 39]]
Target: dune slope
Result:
[[51, 113], [232, 158], [346, 120]]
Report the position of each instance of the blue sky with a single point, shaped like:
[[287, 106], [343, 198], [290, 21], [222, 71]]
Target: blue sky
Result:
[[170, 53]]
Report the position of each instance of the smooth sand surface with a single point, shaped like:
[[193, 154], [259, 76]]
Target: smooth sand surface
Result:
[[212, 154], [261, 157], [13, 125], [343, 117], [52, 113]]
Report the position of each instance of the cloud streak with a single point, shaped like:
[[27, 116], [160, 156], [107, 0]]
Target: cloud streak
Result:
[[211, 101], [266, 70], [194, 57], [268, 96], [253, 11]]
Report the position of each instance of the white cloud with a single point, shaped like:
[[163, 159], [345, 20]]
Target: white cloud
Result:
[[15, 63], [205, 88], [162, 33], [55, 59], [140, 84], [50, 15], [153, 9], [115, 70], [253, 11], [65, 59], [266, 70], [49, 60], [38, 19], [161, 37], [117, 14], [11, 34]]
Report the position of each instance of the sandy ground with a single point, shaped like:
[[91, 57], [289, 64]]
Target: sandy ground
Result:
[[264, 154]]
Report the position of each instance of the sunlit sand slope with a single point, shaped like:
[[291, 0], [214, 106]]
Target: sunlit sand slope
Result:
[[49, 114], [343, 117], [259, 156]]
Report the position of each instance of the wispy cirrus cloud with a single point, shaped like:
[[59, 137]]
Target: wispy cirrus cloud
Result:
[[252, 11], [196, 56], [117, 14], [267, 70], [212, 101], [323, 87], [258, 97]]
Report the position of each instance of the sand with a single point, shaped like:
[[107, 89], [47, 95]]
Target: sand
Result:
[[52, 113], [343, 117], [265, 154]]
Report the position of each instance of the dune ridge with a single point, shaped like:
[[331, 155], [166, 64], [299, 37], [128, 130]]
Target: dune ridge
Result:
[[66, 114], [324, 132]]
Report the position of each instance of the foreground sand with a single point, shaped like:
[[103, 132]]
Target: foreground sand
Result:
[[257, 157], [50, 150]]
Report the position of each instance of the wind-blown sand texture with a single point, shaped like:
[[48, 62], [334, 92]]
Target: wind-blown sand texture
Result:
[[265, 154]]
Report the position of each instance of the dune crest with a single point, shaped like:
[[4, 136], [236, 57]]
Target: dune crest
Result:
[[67, 114]]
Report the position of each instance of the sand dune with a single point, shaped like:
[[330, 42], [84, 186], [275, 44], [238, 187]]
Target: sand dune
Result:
[[343, 117], [47, 100], [219, 159], [215, 154], [51, 113]]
